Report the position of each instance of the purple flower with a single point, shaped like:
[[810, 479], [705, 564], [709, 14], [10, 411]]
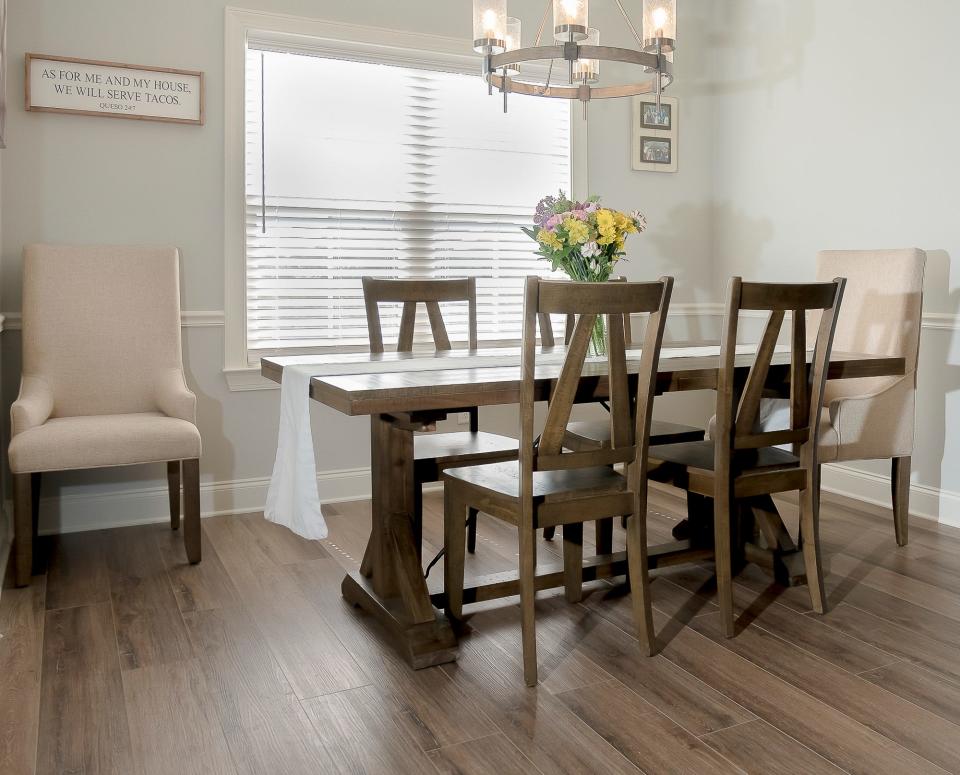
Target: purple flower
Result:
[[552, 222], [544, 210]]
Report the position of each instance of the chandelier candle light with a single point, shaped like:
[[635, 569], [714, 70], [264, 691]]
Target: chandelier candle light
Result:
[[497, 37]]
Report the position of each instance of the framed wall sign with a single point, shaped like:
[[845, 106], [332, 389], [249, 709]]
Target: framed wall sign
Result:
[[89, 87], [655, 134]]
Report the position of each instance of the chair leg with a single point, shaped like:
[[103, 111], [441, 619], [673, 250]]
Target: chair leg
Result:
[[472, 530], [549, 532], [573, 561], [418, 518], [604, 535], [810, 537], [640, 582], [528, 590], [173, 488], [23, 529], [900, 484], [454, 540], [722, 559], [191, 509]]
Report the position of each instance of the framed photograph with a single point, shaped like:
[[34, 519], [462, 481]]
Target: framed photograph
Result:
[[652, 117], [655, 134], [89, 87], [656, 150]]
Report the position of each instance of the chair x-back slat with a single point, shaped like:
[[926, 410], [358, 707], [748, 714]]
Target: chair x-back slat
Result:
[[410, 293]]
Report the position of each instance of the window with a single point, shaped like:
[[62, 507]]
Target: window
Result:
[[359, 168]]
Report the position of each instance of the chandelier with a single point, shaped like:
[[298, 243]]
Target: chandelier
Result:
[[497, 37]]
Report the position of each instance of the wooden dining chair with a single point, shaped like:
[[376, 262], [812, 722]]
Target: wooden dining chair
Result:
[[550, 486], [435, 452], [585, 435], [743, 464]]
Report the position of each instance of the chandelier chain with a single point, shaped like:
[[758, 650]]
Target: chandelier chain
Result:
[[626, 18]]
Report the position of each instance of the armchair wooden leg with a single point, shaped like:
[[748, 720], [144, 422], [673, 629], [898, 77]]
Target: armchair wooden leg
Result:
[[528, 590], [573, 561], [640, 581], [23, 529], [549, 532], [454, 541], [191, 509], [173, 488], [810, 536], [472, 530], [900, 484], [723, 561]]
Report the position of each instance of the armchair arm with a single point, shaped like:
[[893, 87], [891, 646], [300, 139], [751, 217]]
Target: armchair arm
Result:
[[174, 398], [33, 406], [875, 425]]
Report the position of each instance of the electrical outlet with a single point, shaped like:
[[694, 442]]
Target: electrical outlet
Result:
[[463, 418]]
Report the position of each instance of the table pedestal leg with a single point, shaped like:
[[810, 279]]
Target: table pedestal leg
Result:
[[390, 584]]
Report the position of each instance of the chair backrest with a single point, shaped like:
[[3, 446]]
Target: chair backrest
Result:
[[101, 325], [882, 309], [410, 293], [548, 339], [587, 301], [738, 407]]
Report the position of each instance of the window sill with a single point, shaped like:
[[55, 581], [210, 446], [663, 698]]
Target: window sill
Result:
[[249, 378]]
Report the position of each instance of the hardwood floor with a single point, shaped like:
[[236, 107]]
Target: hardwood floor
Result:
[[123, 659]]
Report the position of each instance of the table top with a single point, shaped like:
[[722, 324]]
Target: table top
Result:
[[396, 390]]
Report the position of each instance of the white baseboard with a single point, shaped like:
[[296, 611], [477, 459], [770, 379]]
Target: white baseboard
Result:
[[927, 502], [72, 513]]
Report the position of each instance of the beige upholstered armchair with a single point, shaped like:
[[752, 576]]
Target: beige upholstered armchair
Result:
[[871, 419], [103, 381]]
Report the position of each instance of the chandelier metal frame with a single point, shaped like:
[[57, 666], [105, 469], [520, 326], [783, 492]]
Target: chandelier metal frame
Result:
[[651, 56]]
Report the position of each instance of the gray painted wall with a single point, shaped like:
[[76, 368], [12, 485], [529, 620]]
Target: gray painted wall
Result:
[[94, 180]]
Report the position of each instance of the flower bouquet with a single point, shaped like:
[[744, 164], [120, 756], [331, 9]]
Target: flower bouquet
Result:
[[585, 241]]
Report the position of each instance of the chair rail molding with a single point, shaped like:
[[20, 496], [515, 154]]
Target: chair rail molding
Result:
[[13, 321]]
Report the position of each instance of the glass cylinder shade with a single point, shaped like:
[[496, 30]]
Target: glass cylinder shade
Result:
[[489, 26], [570, 19], [659, 24], [513, 40], [588, 70]]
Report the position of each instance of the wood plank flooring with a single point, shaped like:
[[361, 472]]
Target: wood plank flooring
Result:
[[123, 658]]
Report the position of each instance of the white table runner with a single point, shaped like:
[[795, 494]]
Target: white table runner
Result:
[[293, 499]]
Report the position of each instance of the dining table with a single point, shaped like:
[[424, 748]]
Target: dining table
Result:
[[390, 583]]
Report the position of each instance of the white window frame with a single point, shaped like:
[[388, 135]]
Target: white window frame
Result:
[[318, 36]]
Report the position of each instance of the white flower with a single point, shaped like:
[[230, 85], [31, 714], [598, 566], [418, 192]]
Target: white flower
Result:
[[639, 220], [590, 249]]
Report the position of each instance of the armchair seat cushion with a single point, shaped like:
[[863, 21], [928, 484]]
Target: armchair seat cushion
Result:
[[98, 441]]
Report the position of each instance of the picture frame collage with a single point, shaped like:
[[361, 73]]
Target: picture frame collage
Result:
[[655, 134]]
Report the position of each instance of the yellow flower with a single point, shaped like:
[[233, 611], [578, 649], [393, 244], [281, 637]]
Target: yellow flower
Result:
[[548, 238], [605, 219], [625, 224], [607, 226], [577, 231]]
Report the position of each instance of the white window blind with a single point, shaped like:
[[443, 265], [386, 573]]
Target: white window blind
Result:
[[358, 168]]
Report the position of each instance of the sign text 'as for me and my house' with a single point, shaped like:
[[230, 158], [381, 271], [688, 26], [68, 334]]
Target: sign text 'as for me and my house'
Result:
[[88, 87]]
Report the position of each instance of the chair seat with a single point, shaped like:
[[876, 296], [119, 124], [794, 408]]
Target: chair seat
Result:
[[67, 443], [462, 447], [700, 455], [597, 433], [503, 479]]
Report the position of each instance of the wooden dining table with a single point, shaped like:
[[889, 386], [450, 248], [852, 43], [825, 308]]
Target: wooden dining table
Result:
[[390, 583]]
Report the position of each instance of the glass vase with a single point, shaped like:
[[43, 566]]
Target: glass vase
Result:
[[598, 337]]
